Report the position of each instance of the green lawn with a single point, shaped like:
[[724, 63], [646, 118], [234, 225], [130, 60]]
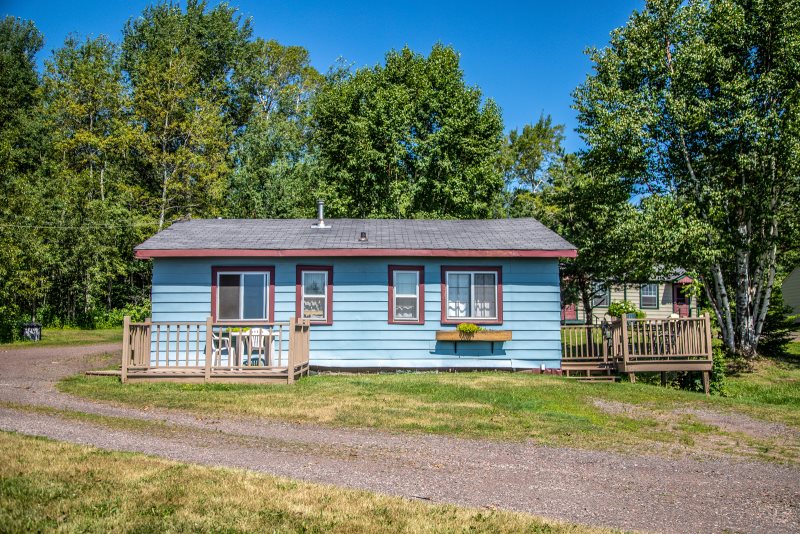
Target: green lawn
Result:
[[775, 382], [56, 337], [545, 409], [54, 486]]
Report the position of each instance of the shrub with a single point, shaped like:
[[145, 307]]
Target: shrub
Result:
[[618, 309], [113, 318], [693, 380], [778, 326], [717, 384]]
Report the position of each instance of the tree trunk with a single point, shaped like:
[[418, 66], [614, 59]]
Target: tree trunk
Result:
[[744, 318], [163, 211], [102, 183], [165, 176], [723, 307], [760, 315], [586, 300]]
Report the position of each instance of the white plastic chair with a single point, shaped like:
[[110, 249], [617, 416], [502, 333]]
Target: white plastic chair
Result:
[[220, 344], [259, 347]]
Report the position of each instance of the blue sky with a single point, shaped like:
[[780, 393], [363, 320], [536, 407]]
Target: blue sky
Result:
[[527, 56]]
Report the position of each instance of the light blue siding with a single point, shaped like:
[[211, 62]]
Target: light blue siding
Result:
[[361, 337]]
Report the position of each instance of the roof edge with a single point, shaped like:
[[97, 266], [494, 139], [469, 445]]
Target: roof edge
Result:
[[146, 254]]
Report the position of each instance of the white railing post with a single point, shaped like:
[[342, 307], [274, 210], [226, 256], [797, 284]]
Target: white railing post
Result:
[[209, 348], [293, 345]]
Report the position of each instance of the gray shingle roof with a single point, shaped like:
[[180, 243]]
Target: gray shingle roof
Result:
[[406, 234]]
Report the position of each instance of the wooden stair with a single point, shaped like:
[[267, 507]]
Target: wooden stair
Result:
[[587, 370], [595, 378]]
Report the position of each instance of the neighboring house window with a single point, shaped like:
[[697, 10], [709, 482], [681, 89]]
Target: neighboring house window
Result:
[[406, 295], [648, 296], [569, 312], [602, 296], [315, 293], [472, 294], [241, 293]]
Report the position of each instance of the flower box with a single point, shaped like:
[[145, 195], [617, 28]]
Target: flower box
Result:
[[481, 335]]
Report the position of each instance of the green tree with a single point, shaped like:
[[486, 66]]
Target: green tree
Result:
[[698, 102], [592, 211], [409, 139], [24, 254], [528, 158], [179, 65], [86, 103], [275, 165], [89, 217], [530, 153]]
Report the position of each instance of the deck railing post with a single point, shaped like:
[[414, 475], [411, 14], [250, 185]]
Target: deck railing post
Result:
[[710, 353], [307, 341], [126, 347], [209, 348], [293, 346], [147, 343], [625, 347]]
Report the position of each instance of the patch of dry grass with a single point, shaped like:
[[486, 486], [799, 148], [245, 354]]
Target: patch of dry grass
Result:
[[47, 485], [545, 409]]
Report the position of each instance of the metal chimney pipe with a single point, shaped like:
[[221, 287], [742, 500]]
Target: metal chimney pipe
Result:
[[320, 215]]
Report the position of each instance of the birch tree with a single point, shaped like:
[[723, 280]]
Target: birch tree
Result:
[[86, 105], [274, 158], [696, 105], [179, 65], [85, 108]]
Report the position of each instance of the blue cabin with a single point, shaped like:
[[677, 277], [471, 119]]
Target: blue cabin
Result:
[[377, 294]]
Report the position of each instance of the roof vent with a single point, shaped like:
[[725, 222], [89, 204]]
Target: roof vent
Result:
[[363, 236], [320, 216]]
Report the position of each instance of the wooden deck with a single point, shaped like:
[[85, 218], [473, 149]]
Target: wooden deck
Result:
[[633, 346], [239, 352]]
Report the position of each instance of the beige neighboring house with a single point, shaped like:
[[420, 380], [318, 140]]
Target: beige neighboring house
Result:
[[791, 292], [658, 299]]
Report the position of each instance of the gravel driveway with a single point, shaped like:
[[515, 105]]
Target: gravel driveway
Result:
[[598, 488]]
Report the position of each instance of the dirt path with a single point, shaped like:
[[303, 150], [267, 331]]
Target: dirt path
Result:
[[600, 488]]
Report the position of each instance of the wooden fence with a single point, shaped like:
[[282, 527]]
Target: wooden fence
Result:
[[639, 345], [222, 351]]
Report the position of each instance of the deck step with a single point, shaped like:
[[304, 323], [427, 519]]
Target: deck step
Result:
[[609, 378]]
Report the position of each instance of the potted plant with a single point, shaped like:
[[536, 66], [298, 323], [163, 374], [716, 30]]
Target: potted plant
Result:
[[472, 332]]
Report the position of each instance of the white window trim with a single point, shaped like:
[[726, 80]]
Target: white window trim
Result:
[[264, 294], [471, 317], [324, 295], [414, 319]]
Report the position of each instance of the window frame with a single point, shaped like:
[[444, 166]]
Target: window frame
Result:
[[420, 272], [328, 270], [497, 271], [657, 295], [216, 271]]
